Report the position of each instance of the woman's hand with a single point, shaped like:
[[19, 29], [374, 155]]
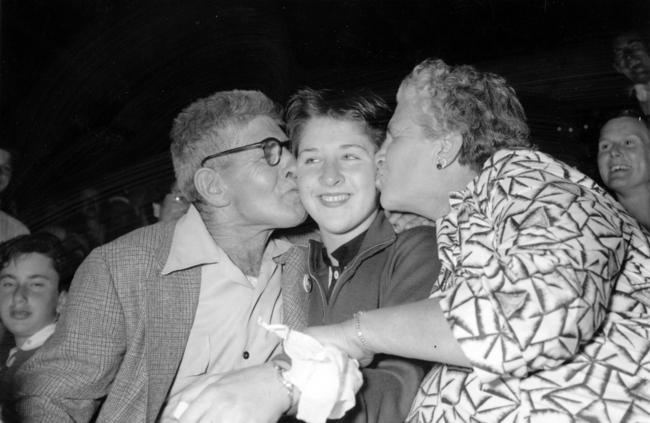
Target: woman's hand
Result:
[[344, 337]]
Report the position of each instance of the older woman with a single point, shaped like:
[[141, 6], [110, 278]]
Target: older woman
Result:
[[543, 307], [624, 162]]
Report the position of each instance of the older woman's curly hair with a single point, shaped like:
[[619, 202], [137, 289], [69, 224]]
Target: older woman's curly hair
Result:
[[481, 106]]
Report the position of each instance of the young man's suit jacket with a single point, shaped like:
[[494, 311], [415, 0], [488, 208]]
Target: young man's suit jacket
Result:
[[120, 340]]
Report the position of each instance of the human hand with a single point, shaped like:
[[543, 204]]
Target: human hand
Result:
[[179, 402], [251, 395], [404, 221], [344, 337], [173, 206]]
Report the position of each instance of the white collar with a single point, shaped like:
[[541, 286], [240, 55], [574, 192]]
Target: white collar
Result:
[[192, 245], [33, 342]]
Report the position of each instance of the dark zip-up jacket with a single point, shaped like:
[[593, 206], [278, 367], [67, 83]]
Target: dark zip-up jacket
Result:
[[389, 269]]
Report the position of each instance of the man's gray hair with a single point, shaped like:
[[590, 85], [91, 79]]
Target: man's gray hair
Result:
[[206, 127]]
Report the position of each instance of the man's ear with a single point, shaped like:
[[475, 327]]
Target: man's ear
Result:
[[618, 68], [4, 182], [210, 186], [60, 303]]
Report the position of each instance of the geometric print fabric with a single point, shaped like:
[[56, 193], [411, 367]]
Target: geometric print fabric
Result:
[[545, 282]]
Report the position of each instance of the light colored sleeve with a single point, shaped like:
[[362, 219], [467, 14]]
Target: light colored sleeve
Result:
[[537, 263], [65, 379]]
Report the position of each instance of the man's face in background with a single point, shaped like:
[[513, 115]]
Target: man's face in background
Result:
[[631, 58], [5, 169]]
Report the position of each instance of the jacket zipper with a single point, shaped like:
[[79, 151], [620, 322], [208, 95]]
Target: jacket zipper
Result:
[[353, 264]]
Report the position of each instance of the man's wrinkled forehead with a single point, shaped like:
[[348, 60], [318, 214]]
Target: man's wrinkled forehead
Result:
[[629, 42]]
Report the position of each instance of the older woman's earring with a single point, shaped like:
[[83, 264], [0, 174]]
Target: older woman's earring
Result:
[[441, 163]]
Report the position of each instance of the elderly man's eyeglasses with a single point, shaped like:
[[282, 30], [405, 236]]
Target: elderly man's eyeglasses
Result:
[[272, 148]]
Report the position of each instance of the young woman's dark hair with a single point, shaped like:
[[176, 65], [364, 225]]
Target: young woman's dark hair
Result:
[[360, 105]]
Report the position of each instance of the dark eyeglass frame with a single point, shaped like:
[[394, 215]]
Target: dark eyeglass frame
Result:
[[267, 145]]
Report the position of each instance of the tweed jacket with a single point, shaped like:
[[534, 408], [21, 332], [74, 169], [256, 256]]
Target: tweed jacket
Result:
[[122, 335]]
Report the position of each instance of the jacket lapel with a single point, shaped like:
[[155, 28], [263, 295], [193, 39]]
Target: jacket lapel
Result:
[[171, 304], [295, 299]]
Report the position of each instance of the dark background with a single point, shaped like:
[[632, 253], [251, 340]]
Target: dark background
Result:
[[88, 89]]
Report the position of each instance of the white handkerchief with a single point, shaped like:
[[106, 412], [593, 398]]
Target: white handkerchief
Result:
[[327, 378]]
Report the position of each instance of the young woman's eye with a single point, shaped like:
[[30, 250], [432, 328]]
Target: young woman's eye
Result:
[[310, 160], [629, 142], [350, 157], [603, 146]]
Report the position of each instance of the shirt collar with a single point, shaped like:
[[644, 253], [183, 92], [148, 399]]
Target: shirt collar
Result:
[[344, 254], [39, 338], [192, 245], [641, 91]]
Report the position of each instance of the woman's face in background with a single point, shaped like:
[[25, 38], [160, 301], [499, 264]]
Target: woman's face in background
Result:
[[624, 155]]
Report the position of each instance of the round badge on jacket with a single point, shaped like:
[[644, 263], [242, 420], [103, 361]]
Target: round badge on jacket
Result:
[[306, 284]]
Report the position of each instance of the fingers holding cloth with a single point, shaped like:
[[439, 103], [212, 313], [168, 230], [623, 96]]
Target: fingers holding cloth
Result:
[[326, 378], [321, 380]]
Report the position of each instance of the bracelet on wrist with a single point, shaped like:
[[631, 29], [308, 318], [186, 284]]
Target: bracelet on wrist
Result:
[[357, 328]]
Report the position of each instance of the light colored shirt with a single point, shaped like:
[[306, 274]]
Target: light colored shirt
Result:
[[10, 227], [225, 334], [31, 343], [642, 93], [545, 282]]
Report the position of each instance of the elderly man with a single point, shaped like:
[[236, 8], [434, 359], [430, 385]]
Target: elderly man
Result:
[[624, 163], [10, 227], [631, 59], [159, 307]]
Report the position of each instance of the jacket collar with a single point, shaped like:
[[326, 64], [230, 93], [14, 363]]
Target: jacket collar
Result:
[[380, 233], [171, 302]]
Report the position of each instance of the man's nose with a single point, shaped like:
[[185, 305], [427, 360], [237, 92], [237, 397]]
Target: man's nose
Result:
[[288, 165], [615, 150], [20, 294], [630, 57]]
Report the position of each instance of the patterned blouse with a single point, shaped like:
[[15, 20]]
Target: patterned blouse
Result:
[[545, 282]]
